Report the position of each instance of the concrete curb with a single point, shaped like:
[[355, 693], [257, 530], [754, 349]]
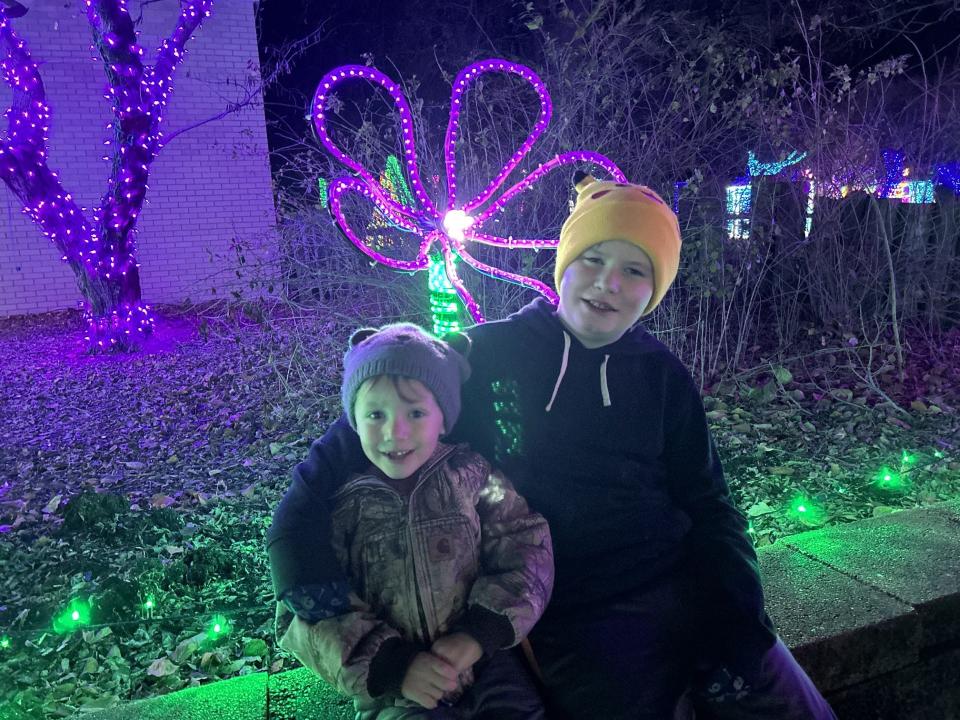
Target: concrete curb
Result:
[[871, 610]]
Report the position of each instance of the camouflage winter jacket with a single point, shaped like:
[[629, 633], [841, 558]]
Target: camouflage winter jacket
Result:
[[462, 546]]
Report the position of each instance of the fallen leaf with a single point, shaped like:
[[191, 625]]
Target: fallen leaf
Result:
[[781, 470], [760, 508], [54, 503], [161, 501], [185, 650], [782, 375], [256, 648], [161, 667], [899, 423], [104, 702]]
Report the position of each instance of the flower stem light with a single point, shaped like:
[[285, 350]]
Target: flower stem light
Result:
[[444, 304]]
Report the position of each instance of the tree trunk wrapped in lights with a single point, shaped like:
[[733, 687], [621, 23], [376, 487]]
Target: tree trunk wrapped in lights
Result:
[[101, 249]]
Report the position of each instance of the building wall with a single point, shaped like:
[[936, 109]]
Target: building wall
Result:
[[209, 187]]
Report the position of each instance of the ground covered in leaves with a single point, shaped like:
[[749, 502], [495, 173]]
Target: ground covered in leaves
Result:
[[135, 491]]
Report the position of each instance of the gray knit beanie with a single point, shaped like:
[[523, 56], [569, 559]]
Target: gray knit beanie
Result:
[[407, 350]]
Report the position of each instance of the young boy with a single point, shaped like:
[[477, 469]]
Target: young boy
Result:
[[448, 564], [603, 430]]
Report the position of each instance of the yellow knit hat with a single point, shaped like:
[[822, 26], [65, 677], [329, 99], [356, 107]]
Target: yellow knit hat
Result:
[[617, 211]]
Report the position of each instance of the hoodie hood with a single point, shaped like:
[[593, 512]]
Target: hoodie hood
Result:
[[543, 326], [540, 317]]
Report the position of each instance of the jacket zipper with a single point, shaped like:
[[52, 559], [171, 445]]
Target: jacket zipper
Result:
[[424, 627], [421, 612]]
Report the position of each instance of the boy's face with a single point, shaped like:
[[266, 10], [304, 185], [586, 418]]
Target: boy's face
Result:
[[399, 424], [604, 291]]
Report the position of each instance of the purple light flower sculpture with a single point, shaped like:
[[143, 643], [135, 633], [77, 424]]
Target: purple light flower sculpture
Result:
[[100, 250], [460, 221]]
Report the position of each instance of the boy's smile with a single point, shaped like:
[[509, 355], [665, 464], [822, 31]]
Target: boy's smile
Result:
[[399, 423], [604, 291]]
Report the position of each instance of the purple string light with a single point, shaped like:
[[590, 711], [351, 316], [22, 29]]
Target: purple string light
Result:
[[105, 247], [457, 223]]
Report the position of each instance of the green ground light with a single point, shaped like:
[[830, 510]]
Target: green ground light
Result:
[[802, 508], [890, 481], [219, 626], [75, 615]]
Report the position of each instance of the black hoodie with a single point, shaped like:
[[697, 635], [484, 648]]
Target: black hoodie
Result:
[[611, 445]]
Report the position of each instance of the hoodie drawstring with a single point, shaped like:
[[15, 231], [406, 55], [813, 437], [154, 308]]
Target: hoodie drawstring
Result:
[[604, 390], [563, 369]]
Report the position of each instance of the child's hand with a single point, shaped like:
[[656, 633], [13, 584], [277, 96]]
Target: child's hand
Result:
[[428, 679], [459, 649]]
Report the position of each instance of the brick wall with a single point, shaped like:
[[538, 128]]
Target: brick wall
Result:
[[209, 186]]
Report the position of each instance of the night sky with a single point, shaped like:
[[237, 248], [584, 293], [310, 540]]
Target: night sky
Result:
[[408, 38]]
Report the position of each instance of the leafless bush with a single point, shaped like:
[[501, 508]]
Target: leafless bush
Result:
[[678, 104]]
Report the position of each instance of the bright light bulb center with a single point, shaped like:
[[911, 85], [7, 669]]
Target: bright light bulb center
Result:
[[456, 223]]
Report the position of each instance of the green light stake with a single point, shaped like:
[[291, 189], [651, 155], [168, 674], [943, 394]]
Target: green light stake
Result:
[[444, 303], [907, 459], [4, 642], [219, 627], [804, 510], [889, 481], [75, 615]]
